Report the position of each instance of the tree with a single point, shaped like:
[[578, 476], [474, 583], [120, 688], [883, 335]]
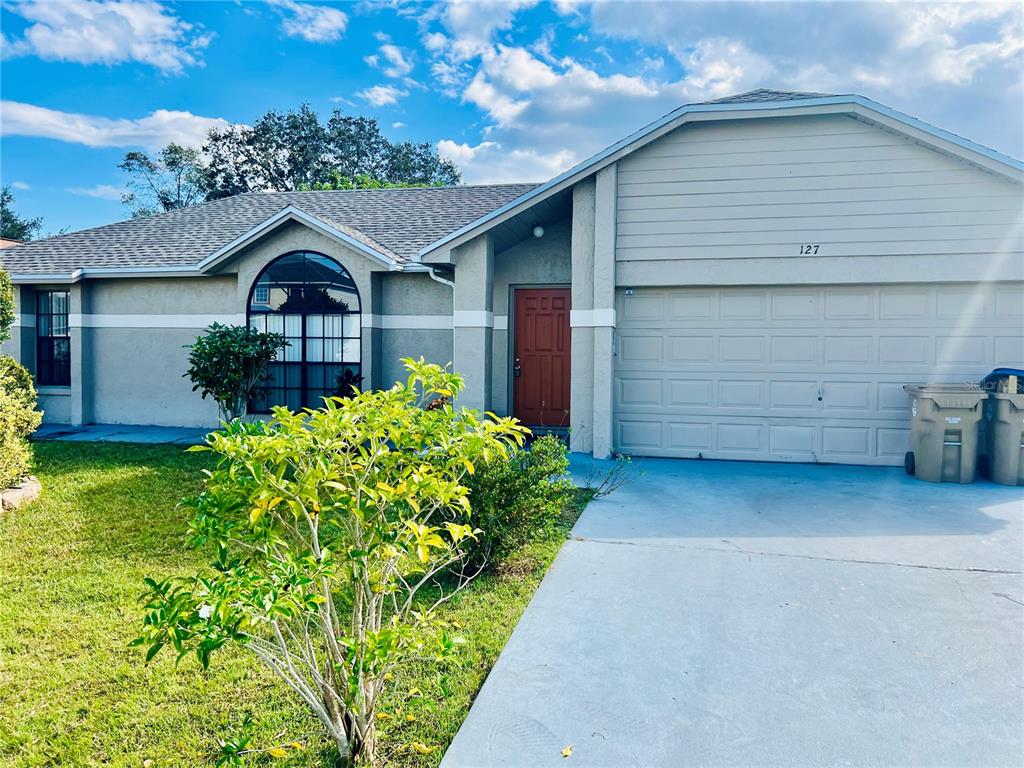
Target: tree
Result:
[[229, 363], [13, 226], [326, 530], [282, 152], [175, 178], [293, 150]]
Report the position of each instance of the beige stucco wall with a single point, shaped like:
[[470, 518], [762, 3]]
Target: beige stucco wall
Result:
[[413, 299], [129, 335]]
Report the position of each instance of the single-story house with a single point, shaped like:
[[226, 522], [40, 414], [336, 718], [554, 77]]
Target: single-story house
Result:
[[755, 277]]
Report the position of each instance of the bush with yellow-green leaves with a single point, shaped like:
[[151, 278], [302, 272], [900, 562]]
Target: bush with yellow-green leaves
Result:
[[18, 415], [18, 419]]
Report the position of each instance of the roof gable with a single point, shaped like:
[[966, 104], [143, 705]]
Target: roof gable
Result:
[[766, 103]]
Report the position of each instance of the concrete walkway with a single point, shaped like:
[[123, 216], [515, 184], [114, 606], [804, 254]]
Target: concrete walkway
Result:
[[734, 614], [121, 433]]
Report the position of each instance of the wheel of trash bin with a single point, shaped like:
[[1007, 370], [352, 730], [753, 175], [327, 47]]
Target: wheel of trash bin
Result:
[[908, 462]]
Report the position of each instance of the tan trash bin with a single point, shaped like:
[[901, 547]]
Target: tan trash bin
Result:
[[944, 432], [1005, 426]]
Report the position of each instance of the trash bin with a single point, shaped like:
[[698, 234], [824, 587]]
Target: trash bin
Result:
[[1004, 425], [944, 432]]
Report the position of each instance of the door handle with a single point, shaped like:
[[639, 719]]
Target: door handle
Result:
[[517, 369]]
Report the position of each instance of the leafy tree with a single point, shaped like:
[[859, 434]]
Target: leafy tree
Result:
[[229, 363], [282, 151], [294, 150], [6, 306], [175, 178], [13, 226], [325, 529]]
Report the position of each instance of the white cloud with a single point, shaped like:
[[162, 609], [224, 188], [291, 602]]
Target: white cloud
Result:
[[154, 131], [107, 32], [398, 125], [720, 66], [101, 191], [381, 95], [313, 23], [490, 163], [472, 23], [393, 61], [20, 185]]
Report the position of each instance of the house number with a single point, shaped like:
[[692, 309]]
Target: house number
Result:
[[809, 250]]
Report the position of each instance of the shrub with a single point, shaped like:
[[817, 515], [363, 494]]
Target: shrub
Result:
[[324, 526], [18, 419], [229, 363], [6, 306], [518, 497]]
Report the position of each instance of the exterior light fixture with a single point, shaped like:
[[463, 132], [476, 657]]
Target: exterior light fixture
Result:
[[538, 231]]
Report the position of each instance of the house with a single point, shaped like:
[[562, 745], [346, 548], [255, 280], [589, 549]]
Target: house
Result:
[[7, 242], [755, 277]]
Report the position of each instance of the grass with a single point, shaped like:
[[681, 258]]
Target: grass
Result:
[[72, 693]]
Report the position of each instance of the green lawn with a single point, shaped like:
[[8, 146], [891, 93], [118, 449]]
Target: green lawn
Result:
[[72, 693]]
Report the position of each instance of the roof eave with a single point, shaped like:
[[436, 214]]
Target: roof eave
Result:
[[984, 157]]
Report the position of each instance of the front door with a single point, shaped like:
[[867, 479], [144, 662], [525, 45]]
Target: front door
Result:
[[540, 367]]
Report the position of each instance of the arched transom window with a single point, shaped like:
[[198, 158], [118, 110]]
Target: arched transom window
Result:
[[312, 300]]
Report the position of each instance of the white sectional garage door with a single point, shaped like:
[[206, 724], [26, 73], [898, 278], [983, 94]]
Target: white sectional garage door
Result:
[[798, 374]]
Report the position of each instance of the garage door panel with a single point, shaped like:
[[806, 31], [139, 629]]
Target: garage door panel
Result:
[[1010, 349], [852, 350], [849, 305], [799, 374]]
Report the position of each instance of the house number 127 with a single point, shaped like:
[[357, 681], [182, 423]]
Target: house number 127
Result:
[[809, 250]]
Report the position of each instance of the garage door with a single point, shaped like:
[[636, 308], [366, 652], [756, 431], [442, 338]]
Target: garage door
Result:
[[798, 374]]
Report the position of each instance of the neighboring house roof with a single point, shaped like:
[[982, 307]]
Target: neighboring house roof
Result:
[[741, 106], [6, 242], [392, 223]]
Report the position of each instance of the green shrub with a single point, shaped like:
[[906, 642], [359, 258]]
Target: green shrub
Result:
[[323, 528], [18, 419], [519, 497], [6, 306], [229, 363]]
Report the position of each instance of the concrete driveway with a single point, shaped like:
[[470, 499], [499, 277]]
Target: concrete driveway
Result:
[[715, 613]]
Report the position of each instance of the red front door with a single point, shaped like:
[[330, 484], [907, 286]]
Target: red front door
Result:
[[540, 369]]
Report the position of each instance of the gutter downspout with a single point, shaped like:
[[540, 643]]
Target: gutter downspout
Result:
[[437, 279]]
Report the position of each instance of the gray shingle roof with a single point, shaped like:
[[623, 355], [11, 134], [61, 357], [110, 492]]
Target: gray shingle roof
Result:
[[766, 94], [397, 222]]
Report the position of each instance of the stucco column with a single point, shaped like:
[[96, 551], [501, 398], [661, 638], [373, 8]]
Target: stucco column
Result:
[[604, 309], [473, 319], [81, 355], [581, 386]]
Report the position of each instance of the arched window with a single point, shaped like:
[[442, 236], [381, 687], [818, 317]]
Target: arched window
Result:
[[313, 301]]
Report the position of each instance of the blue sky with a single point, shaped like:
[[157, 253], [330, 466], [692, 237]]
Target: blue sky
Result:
[[512, 91]]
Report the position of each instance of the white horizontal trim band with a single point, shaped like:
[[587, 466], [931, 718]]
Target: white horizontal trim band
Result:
[[592, 318], [151, 321], [501, 322], [385, 322], [473, 318]]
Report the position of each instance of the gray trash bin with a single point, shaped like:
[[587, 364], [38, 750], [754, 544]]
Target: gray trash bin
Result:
[[1004, 417], [944, 432]]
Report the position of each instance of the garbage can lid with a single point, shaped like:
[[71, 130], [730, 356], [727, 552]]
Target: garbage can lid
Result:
[[1006, 372]]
